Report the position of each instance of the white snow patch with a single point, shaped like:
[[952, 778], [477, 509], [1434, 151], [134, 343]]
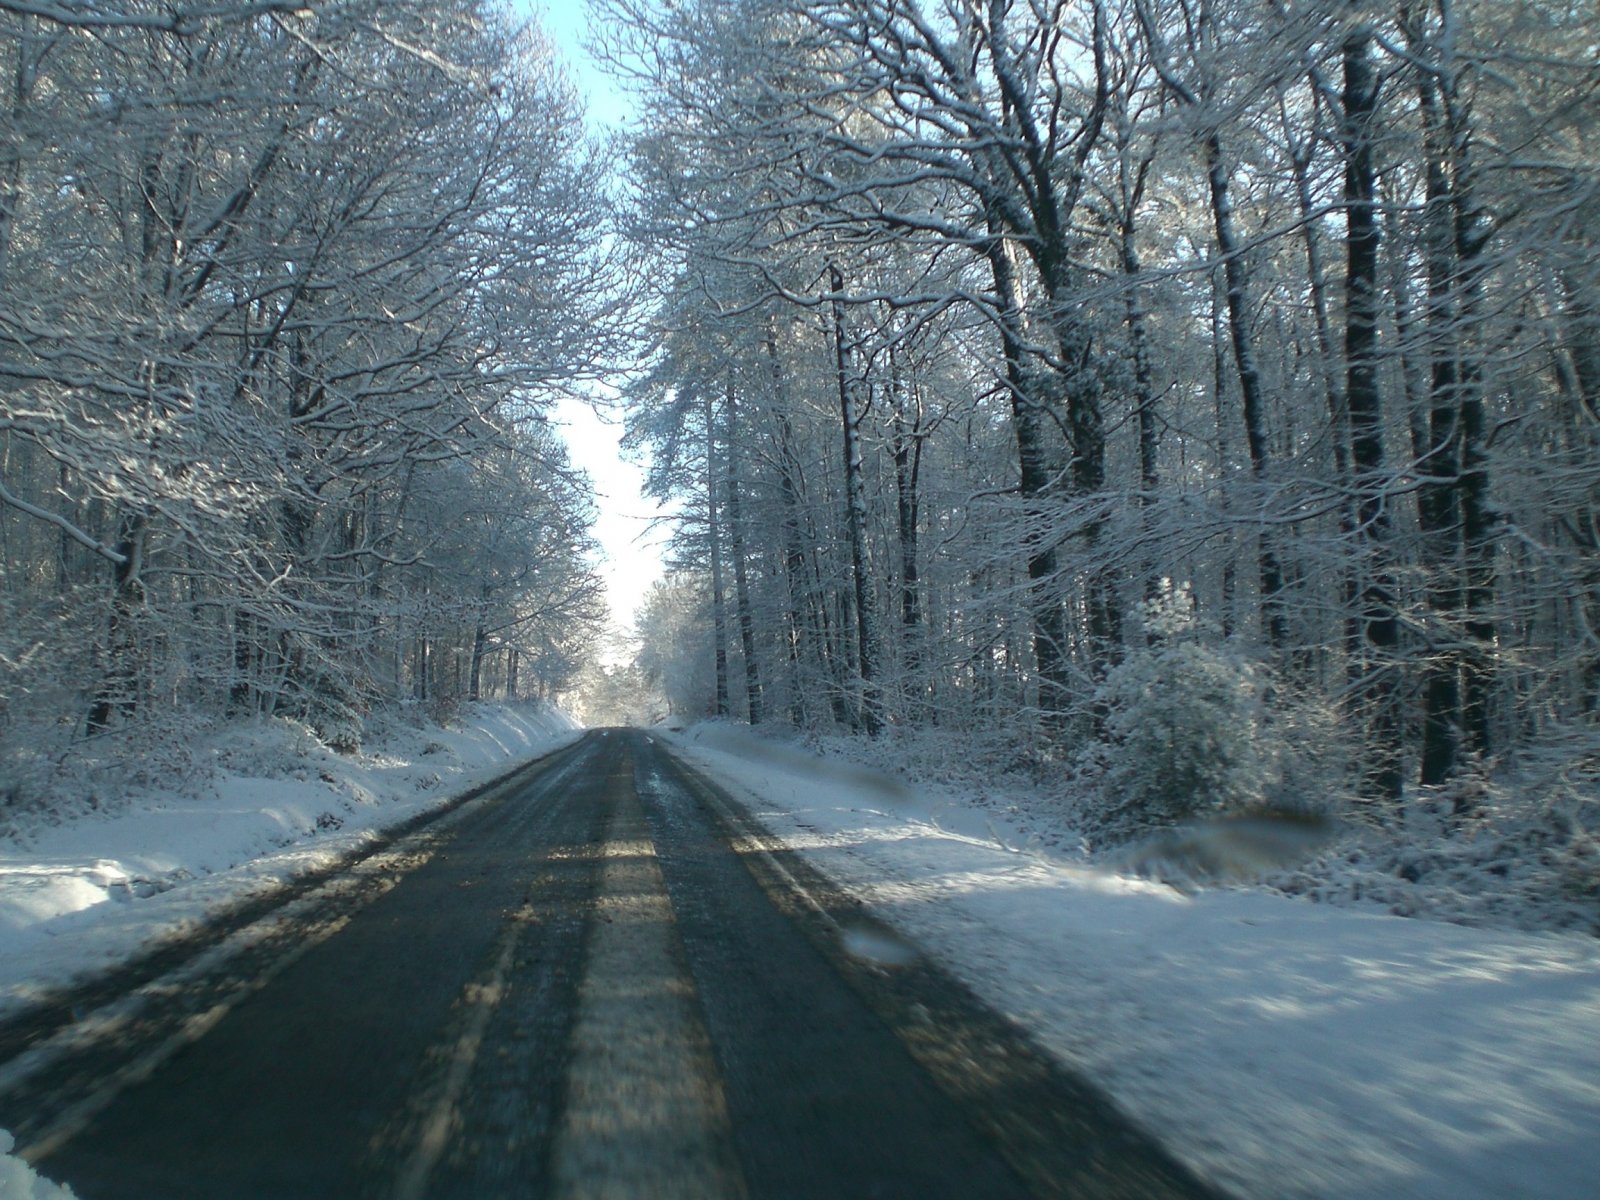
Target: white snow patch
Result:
[[1282, 1048], [18, 1181]]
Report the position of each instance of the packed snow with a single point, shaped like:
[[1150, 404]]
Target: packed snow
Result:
[[1282, 1048]]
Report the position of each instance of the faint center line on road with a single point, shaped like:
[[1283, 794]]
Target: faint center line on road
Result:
[[645, 1114]]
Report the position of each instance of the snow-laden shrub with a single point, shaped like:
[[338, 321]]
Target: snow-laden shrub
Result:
[[335, 710], [1184, 730], [1517, 846], [443, 708]]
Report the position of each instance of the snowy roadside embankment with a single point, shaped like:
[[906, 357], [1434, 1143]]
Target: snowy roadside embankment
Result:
[[259, 805], [1284, 1049]]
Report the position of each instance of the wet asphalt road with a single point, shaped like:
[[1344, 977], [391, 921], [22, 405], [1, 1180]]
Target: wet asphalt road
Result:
[[601, 979]]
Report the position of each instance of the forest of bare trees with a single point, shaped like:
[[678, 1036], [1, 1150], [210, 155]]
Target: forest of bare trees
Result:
[[1045, 372], [285, 291], [1212, 385]]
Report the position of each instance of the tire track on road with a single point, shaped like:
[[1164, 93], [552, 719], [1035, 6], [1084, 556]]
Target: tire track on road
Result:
[[644, 1115]]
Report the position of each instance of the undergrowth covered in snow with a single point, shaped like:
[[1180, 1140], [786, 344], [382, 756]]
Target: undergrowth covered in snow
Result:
[[1519, 848], [192, 754], [1516, 848]]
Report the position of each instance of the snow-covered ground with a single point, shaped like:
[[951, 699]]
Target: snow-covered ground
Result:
[[254, 806], [1284, 1049]]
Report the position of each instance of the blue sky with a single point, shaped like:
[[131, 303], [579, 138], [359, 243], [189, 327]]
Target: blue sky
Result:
[[632, 550], [567, 22]]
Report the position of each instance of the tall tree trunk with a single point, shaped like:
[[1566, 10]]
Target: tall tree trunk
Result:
[[1438, 457], [802, 649], [1479, 522], [1274, 622], [1301, 157], [1227, 585], [855, 495], [125, 673], [480, 647], [1144, 395], [1380, 622], [28, 49], [241, 695], [1578, 363], [120, 688], [835, 669], [907, 446], [719, 620], [1038, 478], [1458, 235], [1198, 97], [741, 576]]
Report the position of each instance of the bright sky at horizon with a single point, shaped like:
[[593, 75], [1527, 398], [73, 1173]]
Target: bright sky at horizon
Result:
[[631, 542], [625, 528]]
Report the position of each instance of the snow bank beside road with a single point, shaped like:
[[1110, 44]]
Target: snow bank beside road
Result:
[[1283, 1049], [262, 803]]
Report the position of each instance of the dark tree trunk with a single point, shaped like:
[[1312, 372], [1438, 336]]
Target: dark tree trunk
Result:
[[1380, 623], [1144, 395], [1338, 411], [1479, 522], [1252, 397], [119, 689], [856, 521], [741, 576], [798, 588], [1438, 456], [1458, 234], [719, 620], [907, 448], [1038, 478], [23, 80], [1227, 585], [834, 668], [243, 696], [480, 646]]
